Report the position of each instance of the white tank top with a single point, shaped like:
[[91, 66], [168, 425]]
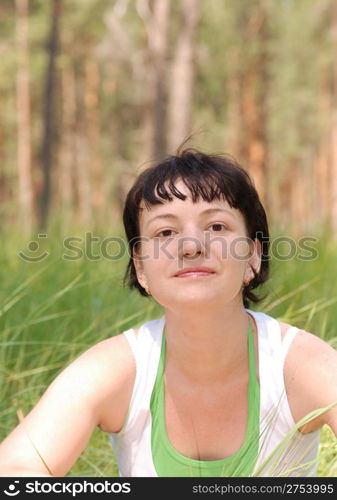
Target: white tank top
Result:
[[283, 451]]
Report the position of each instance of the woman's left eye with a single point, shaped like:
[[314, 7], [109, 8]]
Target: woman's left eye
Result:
[[220, 227]]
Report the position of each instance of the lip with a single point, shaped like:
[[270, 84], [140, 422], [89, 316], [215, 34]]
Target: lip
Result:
[[194, 272]]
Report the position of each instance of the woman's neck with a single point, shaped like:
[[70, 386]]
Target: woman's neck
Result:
[[206, 346]]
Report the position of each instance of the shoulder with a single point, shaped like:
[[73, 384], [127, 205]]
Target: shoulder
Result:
[[112, 354], [104, 374], [310, 374]]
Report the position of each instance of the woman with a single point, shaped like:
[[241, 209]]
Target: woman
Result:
[[211, 388]]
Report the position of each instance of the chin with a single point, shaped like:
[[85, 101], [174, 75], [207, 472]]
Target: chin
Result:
[[189, 298]]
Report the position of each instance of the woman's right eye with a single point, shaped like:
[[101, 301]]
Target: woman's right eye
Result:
[[164, 232]]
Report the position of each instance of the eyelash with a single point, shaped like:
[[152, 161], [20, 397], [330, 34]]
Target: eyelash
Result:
[[214, 224]]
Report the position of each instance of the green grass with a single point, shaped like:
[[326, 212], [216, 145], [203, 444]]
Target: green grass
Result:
[[52, 311]]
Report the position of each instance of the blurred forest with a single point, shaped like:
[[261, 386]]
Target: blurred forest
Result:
[[91, 91]]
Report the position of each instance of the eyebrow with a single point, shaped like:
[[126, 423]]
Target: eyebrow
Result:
[[173, 216]]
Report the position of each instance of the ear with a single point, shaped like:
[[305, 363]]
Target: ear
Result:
[[254, 261], [139, 266]]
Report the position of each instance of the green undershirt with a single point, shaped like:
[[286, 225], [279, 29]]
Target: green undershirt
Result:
[[169, 462]]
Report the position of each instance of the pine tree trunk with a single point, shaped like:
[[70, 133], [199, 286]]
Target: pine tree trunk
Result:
[[182, 76], [25, 182], [232, 139], [49, 114], [254, 103], [92, 80], [3, 179], [83, 177], [322, 172], [334, 129], [158, 44], [66, 195]]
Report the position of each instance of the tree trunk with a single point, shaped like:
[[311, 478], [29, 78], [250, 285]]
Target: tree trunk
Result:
[[66, 195], [300, 193], [334, 129], [322, 172], [182, 76], [254, 102], [326, 164], [92, 80], [158, 28], [3, 179], [233, 107], [83, 178], [49, 114], [24, 117]]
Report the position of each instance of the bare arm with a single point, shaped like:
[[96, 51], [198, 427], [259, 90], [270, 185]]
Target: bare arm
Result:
[[311, 368], [93, 390]]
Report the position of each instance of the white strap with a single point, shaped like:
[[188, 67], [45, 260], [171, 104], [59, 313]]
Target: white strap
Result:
[[288, 339]]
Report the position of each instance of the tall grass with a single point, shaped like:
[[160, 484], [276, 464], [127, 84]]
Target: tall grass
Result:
[[53, 310]]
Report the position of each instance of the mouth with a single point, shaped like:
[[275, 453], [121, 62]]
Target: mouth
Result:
[[194, 273]]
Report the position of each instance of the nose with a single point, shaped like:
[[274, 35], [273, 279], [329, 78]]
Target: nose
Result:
[[192, 245]]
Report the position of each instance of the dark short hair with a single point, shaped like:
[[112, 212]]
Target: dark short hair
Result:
[[207, 176]]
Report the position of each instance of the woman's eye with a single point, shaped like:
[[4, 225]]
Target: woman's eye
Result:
[[164, 233], [218, 227]]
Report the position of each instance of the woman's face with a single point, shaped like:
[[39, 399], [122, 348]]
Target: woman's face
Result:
[[181, 235]]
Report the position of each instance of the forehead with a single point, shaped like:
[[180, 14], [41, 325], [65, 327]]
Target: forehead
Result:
[[186, 208]]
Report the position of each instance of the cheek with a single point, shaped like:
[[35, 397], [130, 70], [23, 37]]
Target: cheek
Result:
[[234, 248], [159, 251], [157, 259], [239, 249]]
